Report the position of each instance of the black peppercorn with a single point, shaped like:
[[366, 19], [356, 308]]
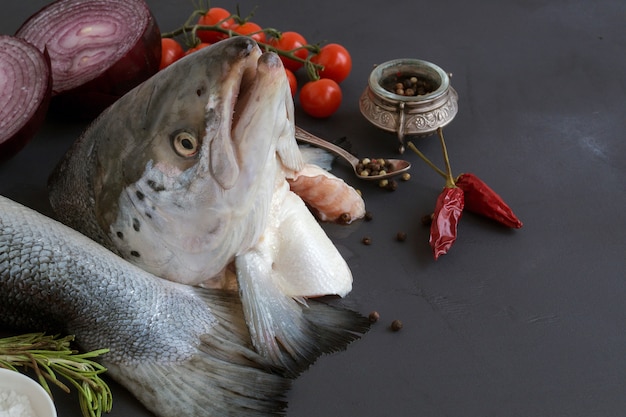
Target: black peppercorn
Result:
[[391, 185], [396, 325], [345, 218], [427, 219], [374, 316]]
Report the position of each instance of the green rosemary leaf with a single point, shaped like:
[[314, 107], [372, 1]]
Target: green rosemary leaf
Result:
[[50, 357]]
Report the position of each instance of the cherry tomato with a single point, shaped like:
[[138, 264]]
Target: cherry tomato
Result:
[[251, 27], [211, 18], [293, 82], [336, 61], [289, 41], [320, 98], [197, 48], [171, 51]]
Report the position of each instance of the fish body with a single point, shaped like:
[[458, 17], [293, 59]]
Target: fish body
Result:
[[186, 177], [181, 350]]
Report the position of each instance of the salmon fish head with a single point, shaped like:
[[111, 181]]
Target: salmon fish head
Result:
[[181, 170]]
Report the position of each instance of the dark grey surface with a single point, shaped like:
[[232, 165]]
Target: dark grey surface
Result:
[[509, 323]]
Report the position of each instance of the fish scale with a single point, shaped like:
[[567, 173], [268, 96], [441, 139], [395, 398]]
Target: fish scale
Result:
[[43, 261], [165, 340]]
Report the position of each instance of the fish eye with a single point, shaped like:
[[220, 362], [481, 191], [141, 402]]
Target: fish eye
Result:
[[185, 144]]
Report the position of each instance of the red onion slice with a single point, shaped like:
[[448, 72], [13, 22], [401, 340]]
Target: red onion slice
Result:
[[99, 49], [25, 88]]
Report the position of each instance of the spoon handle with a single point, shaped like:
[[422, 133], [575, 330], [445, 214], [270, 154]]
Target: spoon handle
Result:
[[304, 136]]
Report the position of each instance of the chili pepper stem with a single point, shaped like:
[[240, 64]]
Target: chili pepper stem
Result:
[[425, 159], [446, 159]]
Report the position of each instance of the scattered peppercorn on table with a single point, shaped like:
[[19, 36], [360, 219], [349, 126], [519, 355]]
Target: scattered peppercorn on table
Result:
[[508, 321]]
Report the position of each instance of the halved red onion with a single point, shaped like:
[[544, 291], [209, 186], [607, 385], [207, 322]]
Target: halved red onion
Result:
[[25, 89], [99, 49]]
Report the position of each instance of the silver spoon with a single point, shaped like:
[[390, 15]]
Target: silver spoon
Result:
[[398, 166]]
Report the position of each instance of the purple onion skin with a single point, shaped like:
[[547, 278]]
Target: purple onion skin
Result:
[[11, 146], [88, 100]]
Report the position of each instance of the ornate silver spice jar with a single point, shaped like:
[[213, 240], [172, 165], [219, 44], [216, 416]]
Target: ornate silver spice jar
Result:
[[418, 115]]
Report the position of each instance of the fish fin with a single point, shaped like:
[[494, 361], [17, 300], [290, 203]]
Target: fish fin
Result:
[[290, 331], [317, 156], [225, 377], [305, 261], [287, 147], [224, 165]]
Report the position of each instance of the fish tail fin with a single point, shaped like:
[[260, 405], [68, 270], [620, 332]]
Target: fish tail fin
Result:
[[225, 377], [292, 332]]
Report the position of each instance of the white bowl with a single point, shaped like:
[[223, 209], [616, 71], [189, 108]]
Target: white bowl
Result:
[[40, 401]]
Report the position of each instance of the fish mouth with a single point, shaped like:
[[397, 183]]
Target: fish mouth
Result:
[[253, 107], [241, 79], [261, 85], [242, 96]]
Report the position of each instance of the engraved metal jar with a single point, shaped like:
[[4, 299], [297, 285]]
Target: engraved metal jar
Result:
[[419, 115]]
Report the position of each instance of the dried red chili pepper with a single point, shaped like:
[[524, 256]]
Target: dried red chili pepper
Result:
[[448, 211], [467, 192], [481, 199]]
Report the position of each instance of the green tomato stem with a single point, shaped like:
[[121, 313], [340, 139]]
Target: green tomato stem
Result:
[[191, 28]]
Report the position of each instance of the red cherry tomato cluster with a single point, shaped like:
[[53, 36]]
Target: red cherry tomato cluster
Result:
[[322, 97], [294, 42], [326, 66], [215, 16], [171, 51]]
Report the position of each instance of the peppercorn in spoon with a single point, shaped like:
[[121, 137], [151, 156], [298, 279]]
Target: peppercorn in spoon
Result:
[[367, 168]]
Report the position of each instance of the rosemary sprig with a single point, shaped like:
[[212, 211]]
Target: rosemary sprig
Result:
[[50, 357]]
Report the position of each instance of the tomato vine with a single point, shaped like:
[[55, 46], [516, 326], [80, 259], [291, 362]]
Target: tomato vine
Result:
[[320, 62]]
